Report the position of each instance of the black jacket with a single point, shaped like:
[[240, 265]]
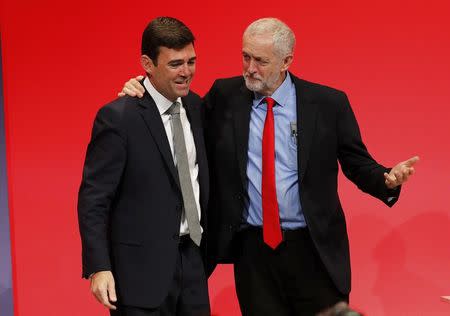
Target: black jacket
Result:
[[130, 199], [327, 134]]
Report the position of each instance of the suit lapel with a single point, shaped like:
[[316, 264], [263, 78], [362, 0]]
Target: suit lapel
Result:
[[306, 116], [152, 118], [242, 105]]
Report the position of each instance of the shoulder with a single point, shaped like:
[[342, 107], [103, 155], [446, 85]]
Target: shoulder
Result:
[[316, 88], [119, 106], [118, 110], [227, 84], [317, 92]]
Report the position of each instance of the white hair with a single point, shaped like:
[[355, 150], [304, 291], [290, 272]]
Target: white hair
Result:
[[283, 37]]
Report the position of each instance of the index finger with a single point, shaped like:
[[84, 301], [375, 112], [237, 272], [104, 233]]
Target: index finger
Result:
[[133, 83], [412, 161], [104, 299]]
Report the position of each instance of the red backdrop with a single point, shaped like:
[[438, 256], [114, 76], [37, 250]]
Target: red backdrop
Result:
[[63, 60]]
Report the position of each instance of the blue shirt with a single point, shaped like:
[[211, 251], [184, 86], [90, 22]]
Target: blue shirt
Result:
[[286, 167]]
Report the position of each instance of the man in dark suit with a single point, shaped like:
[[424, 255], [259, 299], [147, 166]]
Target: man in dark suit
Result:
[[274, 142], [145, 188]]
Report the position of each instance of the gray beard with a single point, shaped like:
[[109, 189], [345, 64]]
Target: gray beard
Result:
[[258, 85], [254, 86]]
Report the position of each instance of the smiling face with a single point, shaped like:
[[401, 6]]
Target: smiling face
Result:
[[264, 70], [173, 71]]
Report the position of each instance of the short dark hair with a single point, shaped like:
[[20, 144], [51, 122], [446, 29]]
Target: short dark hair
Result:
[[165, 31]]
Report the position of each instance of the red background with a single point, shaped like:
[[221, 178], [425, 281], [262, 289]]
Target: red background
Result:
[[63, 60]]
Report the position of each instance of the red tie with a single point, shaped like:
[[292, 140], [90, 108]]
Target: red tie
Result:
[[271, 218]]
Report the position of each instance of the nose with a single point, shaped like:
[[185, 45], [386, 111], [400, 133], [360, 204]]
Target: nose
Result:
[[185, 70], [251, 66]]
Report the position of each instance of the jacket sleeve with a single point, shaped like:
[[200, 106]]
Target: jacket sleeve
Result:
[[103, 168], [356, 162]]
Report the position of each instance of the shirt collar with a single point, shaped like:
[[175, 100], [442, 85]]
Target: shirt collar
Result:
[[162, 103], [280, 95]]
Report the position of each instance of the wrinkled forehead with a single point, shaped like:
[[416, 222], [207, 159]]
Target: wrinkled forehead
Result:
[[258, 44], [260, 38]]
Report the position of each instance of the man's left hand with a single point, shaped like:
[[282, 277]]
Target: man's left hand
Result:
[[400, 173]]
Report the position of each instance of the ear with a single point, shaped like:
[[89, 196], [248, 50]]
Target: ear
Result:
[[147, 64], [287, 61]]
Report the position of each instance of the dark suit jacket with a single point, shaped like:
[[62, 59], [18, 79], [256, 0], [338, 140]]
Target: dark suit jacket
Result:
[[130, 200], [327, 133]]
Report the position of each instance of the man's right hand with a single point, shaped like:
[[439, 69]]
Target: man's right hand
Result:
[[103, 288], [133, 88]]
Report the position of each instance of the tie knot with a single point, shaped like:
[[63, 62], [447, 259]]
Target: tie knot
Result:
[[270, 102], [174, 108]]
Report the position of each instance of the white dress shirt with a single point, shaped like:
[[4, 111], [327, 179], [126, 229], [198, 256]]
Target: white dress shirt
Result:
[[163, 105]]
